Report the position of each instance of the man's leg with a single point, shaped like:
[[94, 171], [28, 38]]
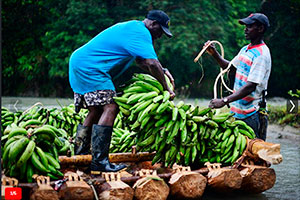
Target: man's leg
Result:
[[93, 116], [263, 125], [83, 133], [101, 138], [109, 114]]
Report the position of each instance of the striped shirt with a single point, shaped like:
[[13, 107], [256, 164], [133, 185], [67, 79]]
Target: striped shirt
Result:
[[253, 63]]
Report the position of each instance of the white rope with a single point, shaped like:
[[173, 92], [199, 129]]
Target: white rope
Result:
[[222, 71]]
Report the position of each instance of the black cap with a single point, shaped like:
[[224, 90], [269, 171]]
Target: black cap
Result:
[[162, 18], [254, 17]]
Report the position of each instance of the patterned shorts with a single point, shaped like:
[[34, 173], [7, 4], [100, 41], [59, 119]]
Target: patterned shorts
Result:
[[96, 98]]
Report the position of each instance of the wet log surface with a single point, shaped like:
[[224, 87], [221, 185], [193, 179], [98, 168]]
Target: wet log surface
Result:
[[149, 188], [189, 185], [43, 193], [226, 181], [257, 179], [115, 190], [72, 190]]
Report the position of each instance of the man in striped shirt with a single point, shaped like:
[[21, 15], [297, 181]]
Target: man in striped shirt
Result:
[[253, 67]]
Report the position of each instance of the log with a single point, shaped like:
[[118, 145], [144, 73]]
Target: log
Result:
[[227, 180], [43, 190], [189, 185], [75, 188], [113, 157], [43, 194], [257, 179], [267, 151], [151, 187], [116, 190]]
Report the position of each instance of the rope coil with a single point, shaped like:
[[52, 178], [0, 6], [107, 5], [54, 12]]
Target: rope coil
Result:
[[222, 71]]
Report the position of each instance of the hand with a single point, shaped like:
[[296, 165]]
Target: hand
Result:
[[216, 103], [211, 49], [169, 75], [172, 94]]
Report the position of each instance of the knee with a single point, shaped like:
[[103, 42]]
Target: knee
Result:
[[111, 108]]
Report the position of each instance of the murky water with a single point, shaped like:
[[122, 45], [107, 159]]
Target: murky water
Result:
[[287, 186]]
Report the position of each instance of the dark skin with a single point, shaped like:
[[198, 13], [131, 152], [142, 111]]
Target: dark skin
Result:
[[105, 115], [253, 32]]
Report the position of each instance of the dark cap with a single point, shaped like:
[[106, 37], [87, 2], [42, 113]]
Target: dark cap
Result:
[[255, 17], [162, 18]]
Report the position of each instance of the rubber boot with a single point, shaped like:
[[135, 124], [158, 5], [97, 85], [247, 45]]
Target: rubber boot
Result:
[[101, 137], [83, 140]]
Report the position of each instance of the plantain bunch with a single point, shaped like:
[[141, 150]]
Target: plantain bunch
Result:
[[181, 133], [65, 118], [33, 149]]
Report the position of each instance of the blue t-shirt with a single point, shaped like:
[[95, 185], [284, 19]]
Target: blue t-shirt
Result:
[[105, 57]]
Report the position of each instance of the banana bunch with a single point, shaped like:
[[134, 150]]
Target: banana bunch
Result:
[[8, 118], [122, 140], [180, 133], [66, 118], [33, 150]]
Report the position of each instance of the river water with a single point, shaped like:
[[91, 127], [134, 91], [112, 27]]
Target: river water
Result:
[[287, 186]]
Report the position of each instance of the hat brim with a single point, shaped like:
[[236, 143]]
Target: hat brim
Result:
[[166, 31], [246, 21]]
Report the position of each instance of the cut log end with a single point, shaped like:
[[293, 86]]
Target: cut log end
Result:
[[44, 195], [117, 190], [228, 180], [187, 185], [258, 179], [146, 188]]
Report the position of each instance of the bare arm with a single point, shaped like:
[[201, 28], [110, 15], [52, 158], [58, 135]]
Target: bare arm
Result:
[[241, 93], [154, 67]]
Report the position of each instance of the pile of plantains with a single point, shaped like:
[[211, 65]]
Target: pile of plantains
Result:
[[181, 133], [33, 140]]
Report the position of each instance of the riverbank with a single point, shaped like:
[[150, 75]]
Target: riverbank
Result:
[[283, 132]]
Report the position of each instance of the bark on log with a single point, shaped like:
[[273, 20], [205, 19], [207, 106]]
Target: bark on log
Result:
[[257, 179], [189, 185], [76, 190], [226, 181], [43, 193], [115, 190], [113, 157], [148, 188]]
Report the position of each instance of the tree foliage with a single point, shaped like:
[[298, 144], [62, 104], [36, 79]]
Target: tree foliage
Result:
[[39, 37]]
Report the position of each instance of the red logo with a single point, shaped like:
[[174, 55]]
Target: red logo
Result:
[[13, 193]]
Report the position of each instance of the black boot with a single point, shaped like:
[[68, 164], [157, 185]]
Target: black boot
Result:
[[83, 140], [101, 137]]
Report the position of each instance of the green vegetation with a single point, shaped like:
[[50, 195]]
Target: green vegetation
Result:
[[279, 115], [39, 36]]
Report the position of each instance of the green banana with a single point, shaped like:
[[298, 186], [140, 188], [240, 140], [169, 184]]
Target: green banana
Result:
[[42, 156], [150, 95], [17, 148], [37, 164], [52, 161], [17, 131], [26, 154]]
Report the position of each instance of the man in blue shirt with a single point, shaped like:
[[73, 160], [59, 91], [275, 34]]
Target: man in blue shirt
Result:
[[92, 68]]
